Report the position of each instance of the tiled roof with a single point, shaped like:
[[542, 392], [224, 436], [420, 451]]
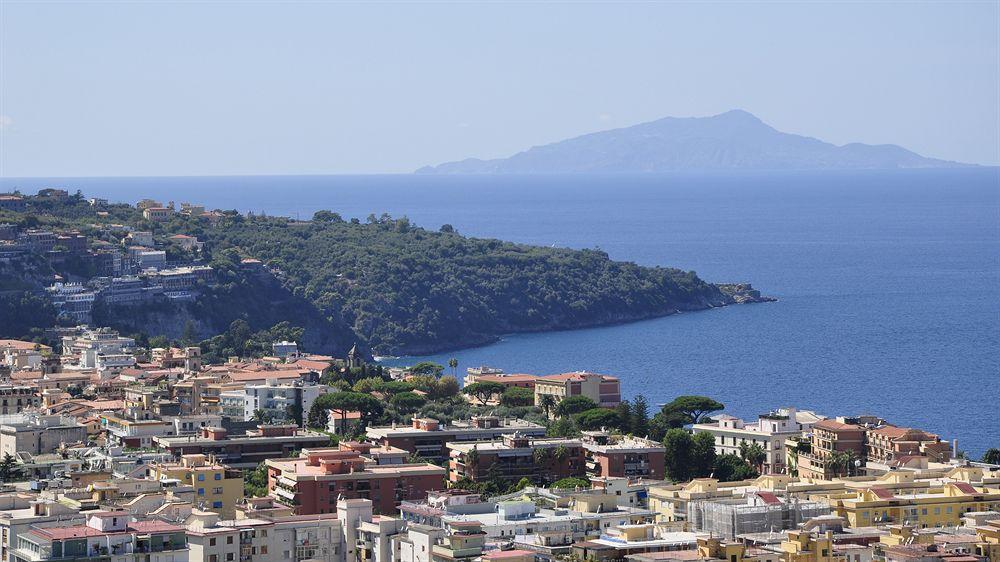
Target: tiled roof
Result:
[[834, 425], [882, 493]]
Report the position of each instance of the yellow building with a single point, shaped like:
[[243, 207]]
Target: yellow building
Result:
[[804, 546], [216, 487], [989, 540], [941, 506]]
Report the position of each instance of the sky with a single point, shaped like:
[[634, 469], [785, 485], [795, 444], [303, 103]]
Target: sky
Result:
[[219, 88]]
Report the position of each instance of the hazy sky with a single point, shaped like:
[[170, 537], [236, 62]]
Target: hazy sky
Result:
[[157, 88]]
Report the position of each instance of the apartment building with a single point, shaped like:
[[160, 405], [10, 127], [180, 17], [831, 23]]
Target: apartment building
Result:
[[22, 511], [16, 398], [89, 348], [832, 443], [216, 487], [887, 443], [939, 506], [37, 434], [243, 451], [623, 456], [602, 389], [107, 536], [276, 401], [769, 431], [157, 214], [517, 456], [313, 482], [428, 438]]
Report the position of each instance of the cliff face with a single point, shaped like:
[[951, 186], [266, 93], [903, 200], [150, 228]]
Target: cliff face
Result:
[[261, 300]]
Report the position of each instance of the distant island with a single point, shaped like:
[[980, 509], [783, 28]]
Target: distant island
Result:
[[732, 140], [192, 274]]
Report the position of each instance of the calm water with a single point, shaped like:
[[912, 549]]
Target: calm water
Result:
[[889, 282]]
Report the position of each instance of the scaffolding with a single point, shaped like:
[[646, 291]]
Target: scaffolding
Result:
[[732, 517]]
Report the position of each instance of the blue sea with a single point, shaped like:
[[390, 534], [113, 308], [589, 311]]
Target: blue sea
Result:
[[888, 281]]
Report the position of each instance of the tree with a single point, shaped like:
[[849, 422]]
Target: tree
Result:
[[407, 402], [753, 454], [679, 449], [262, 417], [521, 484], [574, 405], [369, 385], [446, 387], [547, 402], [453, 363], [345, 402], [640, 416], [624, 411], [571, 483], [426, 368], [563, 427], [294, 413], [326, 216], [702, 455], [597, 418], [484, 391], [992, 456], [9, 470], [691, 408], [255, 481], [517, 396], [730, 468]]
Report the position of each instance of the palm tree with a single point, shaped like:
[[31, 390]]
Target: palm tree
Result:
[[453, 363], [547, 402], [753, 454]]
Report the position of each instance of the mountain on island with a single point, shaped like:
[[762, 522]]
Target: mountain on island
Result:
[[732, 140]]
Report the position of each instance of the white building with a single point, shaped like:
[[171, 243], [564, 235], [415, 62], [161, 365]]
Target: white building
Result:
[[92, 347], [285, 349], [769, 431], [273, 399]]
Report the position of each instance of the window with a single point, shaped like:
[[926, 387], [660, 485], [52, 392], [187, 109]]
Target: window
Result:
[[216, 491], [213, 558], [229, 539], [211, 542], [286, 554], [201, 491], [216, 505], [218, 476], [201, 478], [263, 549], [923, 511], [229, 556]]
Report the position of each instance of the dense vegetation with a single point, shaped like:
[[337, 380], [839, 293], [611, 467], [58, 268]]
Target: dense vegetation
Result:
[[400, 288], [407, 290]]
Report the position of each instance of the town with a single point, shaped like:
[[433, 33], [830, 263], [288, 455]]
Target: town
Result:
[[112, 451]]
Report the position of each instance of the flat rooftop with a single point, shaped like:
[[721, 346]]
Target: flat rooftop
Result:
[[463, 426]]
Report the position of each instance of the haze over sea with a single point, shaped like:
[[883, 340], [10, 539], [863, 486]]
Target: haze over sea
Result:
[[888, 281]]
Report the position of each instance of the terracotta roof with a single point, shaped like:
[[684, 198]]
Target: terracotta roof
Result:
[[882, 493], [965, 487], [769, 498], [501, 554], [891, 431], [506, 378], [312, 364], [21, 344], [834, 425], [26, 376], [578, 376]]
